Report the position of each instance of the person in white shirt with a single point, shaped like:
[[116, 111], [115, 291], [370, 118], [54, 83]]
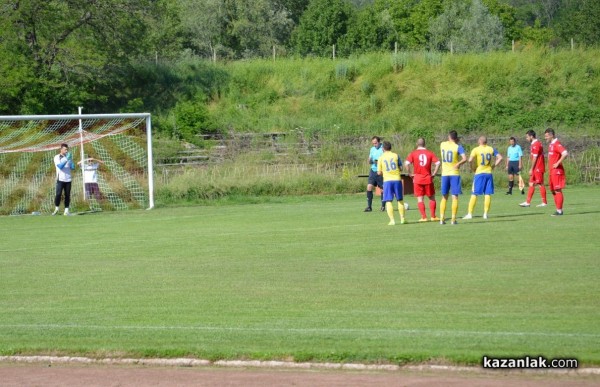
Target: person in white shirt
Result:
[[64, 165], [90, 177]]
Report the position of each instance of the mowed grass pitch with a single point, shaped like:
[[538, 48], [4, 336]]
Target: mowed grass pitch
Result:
[[311, 278]]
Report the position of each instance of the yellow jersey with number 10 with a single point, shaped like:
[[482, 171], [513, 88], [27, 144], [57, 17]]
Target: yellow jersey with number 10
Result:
[[389, 164], [450, 152]]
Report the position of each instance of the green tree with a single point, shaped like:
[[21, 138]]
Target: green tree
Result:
[[513, 27], [410, 20], [580, 21], [368, 30], [235, 28], [468, 26], [74, 52], [323, 24], [295, 8]]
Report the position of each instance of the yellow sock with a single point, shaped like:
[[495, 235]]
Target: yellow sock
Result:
[[487, 203], [454, 207], [443, 207], [401, 208], [472, 203], [390, 210]]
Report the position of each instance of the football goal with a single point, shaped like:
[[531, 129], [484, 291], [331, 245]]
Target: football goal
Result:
[[115, 150]]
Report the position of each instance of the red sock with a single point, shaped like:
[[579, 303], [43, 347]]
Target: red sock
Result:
[[543, 193], [558, 200], [432, 207], [422, 210], [530, 193]]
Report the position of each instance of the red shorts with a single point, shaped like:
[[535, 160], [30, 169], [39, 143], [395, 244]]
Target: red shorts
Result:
[[424, 189], [537, 178], [557, 182]]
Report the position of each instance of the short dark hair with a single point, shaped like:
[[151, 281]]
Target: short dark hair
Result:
[[531, 133], [512, 138], [550, 131], [64, 145], [453, 135], [387, 145], [376, 138]]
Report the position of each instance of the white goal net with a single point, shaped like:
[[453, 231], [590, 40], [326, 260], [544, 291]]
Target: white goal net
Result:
[[119, 144]]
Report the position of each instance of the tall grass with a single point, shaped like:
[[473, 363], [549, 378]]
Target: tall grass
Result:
[[196, 185], [414, 92]]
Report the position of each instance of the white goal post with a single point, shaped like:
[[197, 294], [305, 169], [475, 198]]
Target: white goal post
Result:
[[120, 144]]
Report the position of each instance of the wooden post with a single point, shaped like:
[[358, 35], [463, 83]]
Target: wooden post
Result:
[[572, 44], [214, 58], [156, 58], [333, 48], [513, 45], [395, 47], [274, 53], [451, 48]]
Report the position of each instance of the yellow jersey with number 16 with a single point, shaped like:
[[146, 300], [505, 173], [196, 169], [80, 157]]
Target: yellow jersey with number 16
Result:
[[389, 164]]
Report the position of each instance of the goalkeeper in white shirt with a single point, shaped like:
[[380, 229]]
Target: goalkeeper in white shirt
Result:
[[90, 177], [64, 165]]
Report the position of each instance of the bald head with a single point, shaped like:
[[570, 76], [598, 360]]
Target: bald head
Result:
[[421, 142]]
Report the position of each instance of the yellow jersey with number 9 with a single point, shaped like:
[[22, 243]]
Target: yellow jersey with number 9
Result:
[[389, 164], [450, 152]]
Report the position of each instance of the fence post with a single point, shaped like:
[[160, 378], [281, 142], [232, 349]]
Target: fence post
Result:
[[451, 48], [333, 49], [572, 44], [513, 45], [395, 47]]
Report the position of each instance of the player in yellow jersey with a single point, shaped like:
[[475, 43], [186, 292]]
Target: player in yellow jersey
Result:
[[451, 152], [389, 165], [486, 159]]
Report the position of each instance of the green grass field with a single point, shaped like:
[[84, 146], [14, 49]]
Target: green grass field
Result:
[[309, 278]]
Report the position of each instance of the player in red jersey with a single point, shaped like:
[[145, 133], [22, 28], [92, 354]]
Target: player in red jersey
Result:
[[536, 172], [556, 155], [422, 160]]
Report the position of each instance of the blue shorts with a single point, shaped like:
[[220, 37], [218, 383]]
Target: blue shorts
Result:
[[451, 184], [483, 184], [391, 189]]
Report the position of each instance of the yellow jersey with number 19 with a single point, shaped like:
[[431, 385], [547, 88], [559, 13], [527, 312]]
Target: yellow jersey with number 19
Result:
[[484, 156], [450, 152], [389, 164]]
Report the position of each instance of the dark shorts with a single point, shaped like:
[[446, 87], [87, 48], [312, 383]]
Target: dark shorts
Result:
[[92, 191], [513, 168], [375, 179]]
